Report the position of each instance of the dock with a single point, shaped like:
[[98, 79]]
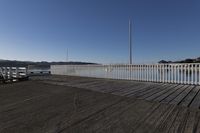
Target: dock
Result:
[[72, 104]]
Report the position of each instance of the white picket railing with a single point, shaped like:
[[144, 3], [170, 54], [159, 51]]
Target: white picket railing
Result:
[[9, 73], [166, 73]]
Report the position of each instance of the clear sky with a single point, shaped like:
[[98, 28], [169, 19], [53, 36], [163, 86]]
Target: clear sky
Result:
[[97, 30]]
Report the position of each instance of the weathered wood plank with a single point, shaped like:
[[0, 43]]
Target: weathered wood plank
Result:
[[174, 95], [125, 89], [196, 102], [160, 93], [190, 124], [134, 89], [188, 99], [87, 84], [179, 121], [163, 96], [122, 88], [145, 115], [166, 125], [196, 128], [160, 88], [149, 125], [181, 96], [127, 120], [148, 88]]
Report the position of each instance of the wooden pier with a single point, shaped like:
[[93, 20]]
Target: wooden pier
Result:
[[69, 104]]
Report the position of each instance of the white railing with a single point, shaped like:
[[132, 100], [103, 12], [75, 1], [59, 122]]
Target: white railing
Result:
[[166, 73], [9, 73]]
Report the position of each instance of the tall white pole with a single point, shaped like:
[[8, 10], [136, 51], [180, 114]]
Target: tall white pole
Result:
[[130, 42]]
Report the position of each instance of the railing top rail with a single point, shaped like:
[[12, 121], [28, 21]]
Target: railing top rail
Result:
[[161, 64]]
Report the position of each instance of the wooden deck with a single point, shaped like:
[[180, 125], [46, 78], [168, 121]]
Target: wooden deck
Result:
[[59, 104], [182, 95]]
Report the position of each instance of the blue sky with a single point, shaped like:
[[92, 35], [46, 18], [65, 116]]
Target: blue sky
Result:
[[97, 30]]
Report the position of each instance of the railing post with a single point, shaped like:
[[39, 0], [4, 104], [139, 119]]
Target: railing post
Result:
[[26, 71], [160, 72], [137, 72], [151, 72], [163, 76], [152, 69], [141, 76], [140, 72], [178, 72], [168, 73], [10, 73], [188, 73], [130, 71], [172, 74], [17, 72], [185, 74], [133, 72], [192, 75], [196, 74], [199, 74], [181, 74], [6, 73], [116, 70], [147, 72], [175, 71], [120, 71], [157, 73]]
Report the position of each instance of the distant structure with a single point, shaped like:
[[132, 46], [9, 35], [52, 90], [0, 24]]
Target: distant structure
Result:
[[130, 41]]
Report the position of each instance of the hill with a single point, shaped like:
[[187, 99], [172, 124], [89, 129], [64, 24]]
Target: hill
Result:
[[14, 63], [196, 60]]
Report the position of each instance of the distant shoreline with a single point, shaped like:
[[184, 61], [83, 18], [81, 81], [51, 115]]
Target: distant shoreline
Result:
[[15, 63], [196, 60]]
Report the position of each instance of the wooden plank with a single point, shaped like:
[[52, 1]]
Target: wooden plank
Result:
[[100, 123], [165, 125], [163, 96], [188, 99], [159, 89], [196, 128], [179, 121], [145, 115], [156, 88], [161, 92], [135, 89], [151, 122], [190, 124], [180, 97], [129, 119], [111, 87], [196, 102], [125, 89], [100, 86], [87, 84], [174, 95], [148, 88], [164, 117]]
